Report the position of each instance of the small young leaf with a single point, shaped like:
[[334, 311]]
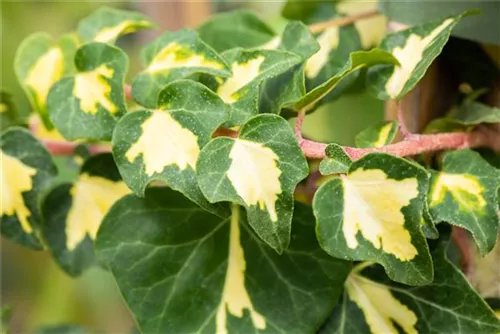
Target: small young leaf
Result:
[[415, 49], [374, 214], [164, 144], [40, 62], [446, 305], [173, 261], [357, 60], [259, 170], [464, 193], [336, 161], [106, 24], [174, 55], [8, 111], [27, 169], [240, 28], [73, 212], [288, 87], [88, 104], [377, 135], [250, 69], [474, 113]]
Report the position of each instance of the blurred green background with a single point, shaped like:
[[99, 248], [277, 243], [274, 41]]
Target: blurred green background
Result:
[[39, 293]]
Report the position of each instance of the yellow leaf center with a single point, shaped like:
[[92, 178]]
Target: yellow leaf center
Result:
[[243, 74], [93, 90]]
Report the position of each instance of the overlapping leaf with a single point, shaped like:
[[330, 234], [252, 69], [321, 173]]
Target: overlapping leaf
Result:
[[8, 111], [26, 170], [377, 135], [164, 144], [309, 11], [464, 193], [374, 304], [259, 170], [240, 28], [174, 55], [88, 104], [72, 212], [336, 161], [40, 62], [106, 24], [217, 274], [474, 113], [357, 60], [250, 68], [289, 86], [415, 49], [374, 213]]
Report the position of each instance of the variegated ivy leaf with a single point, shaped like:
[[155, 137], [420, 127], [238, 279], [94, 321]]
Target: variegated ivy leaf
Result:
[[374, 213], [163, 248], [377, 135], [428, 224], [164, 144], [250, 68], [174, 55], [373, 304], [336, 161], [415, 49], [40, 62], [288, 87], [357, 60], [474, 113], [106, 24], [259, 170], [72, 212], [88, 104], [8, 111], [464, 193], [239, 28], [26, 170]]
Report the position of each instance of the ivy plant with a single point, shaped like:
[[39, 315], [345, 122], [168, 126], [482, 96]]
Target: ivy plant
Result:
[[196, 189]]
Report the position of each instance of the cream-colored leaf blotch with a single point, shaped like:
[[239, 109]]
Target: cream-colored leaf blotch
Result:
[[16, 178], [243, 74], [109, 34], [164, 142], [383, 135], [175, 55], [44, 73], [255, 175], [328, 40], [93, 90], [235, 297], [92, 197], [372, 206], [380, 308], [465, 189], [409, 56]]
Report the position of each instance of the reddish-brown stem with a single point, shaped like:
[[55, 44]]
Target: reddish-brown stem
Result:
[[402, 125], [224, 132], [66, 148], [342, 21]]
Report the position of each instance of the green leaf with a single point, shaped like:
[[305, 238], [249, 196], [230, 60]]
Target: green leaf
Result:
[[106, 24], [72, 213], [240, 28], [374, 213], [250, 69], [474, 113], [377, 135], [259, 170], [415, 49], [174, 55], [428, 224], [40, 62], [8, 111], [88, 104], [164, 144], [372, 303], [27, 169], [309, 11], [336, 161], [464, 193], [286, 88], [173, 261], [357, 60]]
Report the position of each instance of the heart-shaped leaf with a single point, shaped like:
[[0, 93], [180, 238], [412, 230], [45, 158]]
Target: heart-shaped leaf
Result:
[[336, 161]]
